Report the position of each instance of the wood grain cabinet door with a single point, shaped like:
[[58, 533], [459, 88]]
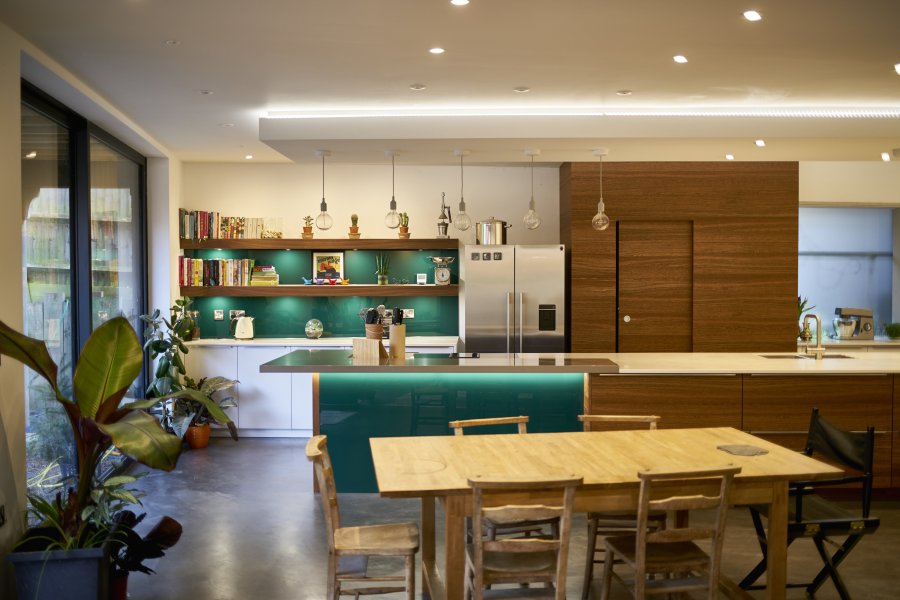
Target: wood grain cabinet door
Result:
[[655, 287]]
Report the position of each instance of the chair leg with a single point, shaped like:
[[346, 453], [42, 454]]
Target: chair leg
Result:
[[411, 577], [760, 568], [589, 558], [830, 566], [334, 587], [607, 575]]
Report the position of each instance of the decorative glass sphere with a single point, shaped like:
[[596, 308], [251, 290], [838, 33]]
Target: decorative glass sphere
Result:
[[324, 221], [314, 329]]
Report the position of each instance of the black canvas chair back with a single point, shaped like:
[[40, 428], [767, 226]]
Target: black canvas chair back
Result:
[[812, 516]]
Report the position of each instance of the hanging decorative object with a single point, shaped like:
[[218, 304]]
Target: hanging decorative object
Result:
[[392, 218], [445, 217], [600, 221], [532, 219], [463, 220], [324, 220]]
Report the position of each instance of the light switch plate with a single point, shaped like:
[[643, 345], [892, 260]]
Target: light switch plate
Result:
[[218, 315], [421, 278], [409, 313]]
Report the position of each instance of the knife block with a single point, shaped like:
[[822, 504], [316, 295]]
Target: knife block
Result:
[[367, 351], [398, 341]]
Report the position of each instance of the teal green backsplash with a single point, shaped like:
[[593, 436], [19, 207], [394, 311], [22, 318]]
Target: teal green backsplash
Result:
[[287, 316], [355, 407]]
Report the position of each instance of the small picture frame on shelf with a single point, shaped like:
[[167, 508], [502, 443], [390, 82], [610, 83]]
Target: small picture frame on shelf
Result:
[[328, 265]]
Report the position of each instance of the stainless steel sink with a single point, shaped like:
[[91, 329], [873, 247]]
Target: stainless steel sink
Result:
[[803, 356]]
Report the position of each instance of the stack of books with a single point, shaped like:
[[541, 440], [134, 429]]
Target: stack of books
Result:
[[264, 275]]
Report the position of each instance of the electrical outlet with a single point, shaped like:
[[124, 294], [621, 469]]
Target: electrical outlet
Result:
[[218, 315], [234, 314], [409, 313]]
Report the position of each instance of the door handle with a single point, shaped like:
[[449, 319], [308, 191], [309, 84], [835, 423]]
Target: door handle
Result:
[[521, 321], [509, 302]]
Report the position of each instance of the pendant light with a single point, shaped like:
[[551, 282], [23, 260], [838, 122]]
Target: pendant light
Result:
[[532, 219], [600, 221], [324, 220], [463, 221], [392, 218]]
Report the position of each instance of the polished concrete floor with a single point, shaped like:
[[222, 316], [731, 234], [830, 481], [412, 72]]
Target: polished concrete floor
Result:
[[254, 530]]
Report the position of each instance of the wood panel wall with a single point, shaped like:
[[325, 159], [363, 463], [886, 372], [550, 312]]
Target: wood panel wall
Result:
[[745, 247]]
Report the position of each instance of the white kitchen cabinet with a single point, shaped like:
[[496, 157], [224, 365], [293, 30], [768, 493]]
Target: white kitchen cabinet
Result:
[[265, 398], [212, 362], [301, 403]]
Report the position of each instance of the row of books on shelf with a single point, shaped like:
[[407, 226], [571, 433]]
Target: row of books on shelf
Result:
[[212, 225], [224, 272]]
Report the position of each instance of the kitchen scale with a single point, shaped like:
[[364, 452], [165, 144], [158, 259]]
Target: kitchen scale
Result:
[[442, 269]]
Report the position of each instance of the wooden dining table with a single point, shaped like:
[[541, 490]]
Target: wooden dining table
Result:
[[438, 467]]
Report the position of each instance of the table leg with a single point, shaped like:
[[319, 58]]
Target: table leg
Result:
[[427, 546], [454, 546], [776, 574]]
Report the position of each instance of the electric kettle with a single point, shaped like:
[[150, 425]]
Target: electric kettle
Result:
[[243, 329]]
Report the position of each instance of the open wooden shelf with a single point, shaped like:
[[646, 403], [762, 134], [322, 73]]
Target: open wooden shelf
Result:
[[321, 290], [322, 244]]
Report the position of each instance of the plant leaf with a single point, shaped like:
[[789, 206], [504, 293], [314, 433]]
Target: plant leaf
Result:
[[211, 405], [141, 437], [110, 361], [32, 353]]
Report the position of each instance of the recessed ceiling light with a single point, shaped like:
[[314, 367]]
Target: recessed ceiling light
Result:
[[172, 42], [437, 50], [624, 93], [206, 92], [752, 15], [760, 143], [417, 87], [884, 156], [226, 124], [680, 59], [459, 2], [248, 157], [729, 157], [521, 89], [32, 154], [897, 68]]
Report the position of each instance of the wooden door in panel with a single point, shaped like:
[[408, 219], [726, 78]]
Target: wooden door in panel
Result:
[[655, 297], [681, 400]]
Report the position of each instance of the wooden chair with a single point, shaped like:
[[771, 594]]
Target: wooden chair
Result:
[[811, 516], [349, 548], [522, 560], [493, 528], [610, 524], [672, 552], [459, 426]]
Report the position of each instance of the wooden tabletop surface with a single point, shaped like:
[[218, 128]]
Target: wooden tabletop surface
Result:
[[440, 465]]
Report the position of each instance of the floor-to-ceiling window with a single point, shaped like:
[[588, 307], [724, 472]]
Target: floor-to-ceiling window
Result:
[[83, 237]]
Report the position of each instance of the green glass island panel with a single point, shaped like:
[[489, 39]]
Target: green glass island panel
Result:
[[356, 406]]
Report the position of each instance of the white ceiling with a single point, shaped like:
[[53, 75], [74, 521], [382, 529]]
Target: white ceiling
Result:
[[293, 76]]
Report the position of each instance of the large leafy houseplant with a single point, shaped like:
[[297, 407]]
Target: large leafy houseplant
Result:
[[185, 402]]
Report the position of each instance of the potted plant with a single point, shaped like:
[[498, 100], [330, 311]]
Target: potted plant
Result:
[[307, 228], [892, 330], [404, 226], [382, 267], [188, 407], [802, 308], [354, 229], [67, 555]]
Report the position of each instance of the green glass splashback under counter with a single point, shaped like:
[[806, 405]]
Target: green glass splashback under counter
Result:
[[356, 406], [287, 316]]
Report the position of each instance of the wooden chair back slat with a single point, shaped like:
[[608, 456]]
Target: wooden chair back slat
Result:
[[459, 426], [317, 452]]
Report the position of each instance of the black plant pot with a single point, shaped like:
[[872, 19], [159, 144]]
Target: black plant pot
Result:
[[81, 574]]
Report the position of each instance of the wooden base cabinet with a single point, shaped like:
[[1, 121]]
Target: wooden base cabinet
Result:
[[681, 400], [777, 408]]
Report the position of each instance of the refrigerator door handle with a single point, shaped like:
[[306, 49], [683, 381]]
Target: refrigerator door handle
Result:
[[521, 311], [509, 302]]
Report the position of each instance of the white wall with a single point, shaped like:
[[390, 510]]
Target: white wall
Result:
[[872, 183], [12, 409], [293, 191], [163, 193]]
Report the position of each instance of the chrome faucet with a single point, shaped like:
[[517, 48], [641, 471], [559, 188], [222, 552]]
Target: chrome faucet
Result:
[[819, 351]]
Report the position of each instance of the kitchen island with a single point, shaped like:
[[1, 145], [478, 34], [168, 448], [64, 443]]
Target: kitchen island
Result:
[[767, 394]]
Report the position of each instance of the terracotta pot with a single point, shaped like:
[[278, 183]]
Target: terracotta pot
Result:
[[118, 587], [197, 436], [354, 229]]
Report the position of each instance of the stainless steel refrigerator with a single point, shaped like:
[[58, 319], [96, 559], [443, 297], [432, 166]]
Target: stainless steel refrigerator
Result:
[[512, 298]]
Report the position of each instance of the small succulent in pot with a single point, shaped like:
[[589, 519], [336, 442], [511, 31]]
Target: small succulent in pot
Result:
[[354, 226], [307, 227], [892, 330]]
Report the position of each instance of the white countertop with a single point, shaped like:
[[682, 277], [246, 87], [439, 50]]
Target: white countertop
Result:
[[413, 341]]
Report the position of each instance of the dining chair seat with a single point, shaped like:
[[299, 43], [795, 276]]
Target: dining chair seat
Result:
[[495, 564], [388, 539], [671, 557]]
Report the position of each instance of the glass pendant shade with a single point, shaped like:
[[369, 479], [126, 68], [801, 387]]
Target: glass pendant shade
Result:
[[532, 219], [600, 220], [392, 218]]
